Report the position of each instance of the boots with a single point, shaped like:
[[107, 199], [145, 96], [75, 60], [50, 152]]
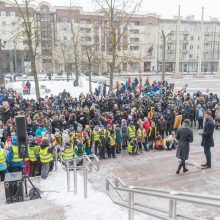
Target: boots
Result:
[[179, 167]]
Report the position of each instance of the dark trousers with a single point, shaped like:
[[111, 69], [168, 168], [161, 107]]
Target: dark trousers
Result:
[[96, 147], [102, 152], [200, 122], [162, 134], [111, 152], [140, 144], [208, 155], [2, 174], [182, 164]]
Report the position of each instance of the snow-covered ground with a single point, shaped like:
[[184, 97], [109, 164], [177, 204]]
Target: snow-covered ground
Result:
[[55, 87], [98, 206]]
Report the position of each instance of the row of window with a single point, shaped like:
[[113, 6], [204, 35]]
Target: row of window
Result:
[[4, 23], [7, 13]]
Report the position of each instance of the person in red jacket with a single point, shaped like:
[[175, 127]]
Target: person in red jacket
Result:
[[146, 126]]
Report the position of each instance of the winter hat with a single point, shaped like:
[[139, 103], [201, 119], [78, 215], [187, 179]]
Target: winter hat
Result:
[[187, 122]]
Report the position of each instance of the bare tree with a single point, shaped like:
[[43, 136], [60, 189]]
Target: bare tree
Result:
[[29, 34], [118, 14]]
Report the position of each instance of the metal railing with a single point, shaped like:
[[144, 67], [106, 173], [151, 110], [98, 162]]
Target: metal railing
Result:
[[86, 165], [172, 196]]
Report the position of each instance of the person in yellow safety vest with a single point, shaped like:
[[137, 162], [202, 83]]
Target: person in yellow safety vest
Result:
[[132, 147], [13, 157], [131, 130], [3, 165], [152, 133], [159, 143], [96, 138], [68, 153], [111, 143], [46, 158], [34, 155], [141, 137]]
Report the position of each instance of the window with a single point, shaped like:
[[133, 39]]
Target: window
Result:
[[134, 31], [185, 36], [192, 38], [3, 13], [135, 23], [169, 47], [85, 30], [191, 47], [198, 47], [184, 46], [64, 29], [124, 67], [134, 47], [65, 38], [13, 23], [134, 40], [4, 23], [199, 38], [46, 61], [135, 65], [86, 39], [12, 13], [4, 32], [85, 21], [191, 56]]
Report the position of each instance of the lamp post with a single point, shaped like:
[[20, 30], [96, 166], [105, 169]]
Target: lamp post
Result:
[[15, 57], [177, 66], [2, 78], [199, 73]]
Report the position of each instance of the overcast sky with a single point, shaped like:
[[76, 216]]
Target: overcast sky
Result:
[[165, 8]]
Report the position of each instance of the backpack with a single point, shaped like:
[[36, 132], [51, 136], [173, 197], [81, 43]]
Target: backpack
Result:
[[200, 113]]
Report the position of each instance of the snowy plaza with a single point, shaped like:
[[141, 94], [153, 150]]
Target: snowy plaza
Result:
[[150, 169]]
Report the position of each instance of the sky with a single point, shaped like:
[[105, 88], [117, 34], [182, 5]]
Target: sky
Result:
[[164, 8]]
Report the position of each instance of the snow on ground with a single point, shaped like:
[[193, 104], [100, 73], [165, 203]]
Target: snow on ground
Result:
[[98, 206], [56, 87]]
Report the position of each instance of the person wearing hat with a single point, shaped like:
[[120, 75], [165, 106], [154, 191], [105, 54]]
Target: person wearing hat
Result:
[[184, 136]]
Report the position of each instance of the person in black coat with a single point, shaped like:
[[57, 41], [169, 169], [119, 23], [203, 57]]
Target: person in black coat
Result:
[[207, 138], [185, 136]]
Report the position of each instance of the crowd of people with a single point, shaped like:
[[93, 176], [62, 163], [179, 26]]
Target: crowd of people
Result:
[[136, 117]]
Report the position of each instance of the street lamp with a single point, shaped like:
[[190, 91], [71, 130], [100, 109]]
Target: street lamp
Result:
[[2, 79]]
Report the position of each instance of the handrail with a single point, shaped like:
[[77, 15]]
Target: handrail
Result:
[[97, 163], [172, 196]]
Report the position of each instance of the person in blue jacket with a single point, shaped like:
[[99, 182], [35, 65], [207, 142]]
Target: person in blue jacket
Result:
[[40, 130], [13, 158], [3, 165]]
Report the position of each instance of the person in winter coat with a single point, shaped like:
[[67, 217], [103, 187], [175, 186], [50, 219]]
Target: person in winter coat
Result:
[[13, 157], [170, 120], [118, 139], [207, 139], [141, 137], [200, 116], [124, 131], [3, 165], [152, 135], [40, 130], [162, 126], [185, 136], [31, 128], [46, 158], [177, 121]]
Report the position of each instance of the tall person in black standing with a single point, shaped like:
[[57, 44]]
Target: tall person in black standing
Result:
[[207, 139]]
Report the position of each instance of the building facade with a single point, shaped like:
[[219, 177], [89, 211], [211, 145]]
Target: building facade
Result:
[[70, 37]]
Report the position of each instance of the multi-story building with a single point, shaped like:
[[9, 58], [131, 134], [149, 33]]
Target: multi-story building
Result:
[[191, 32], [68, 35]]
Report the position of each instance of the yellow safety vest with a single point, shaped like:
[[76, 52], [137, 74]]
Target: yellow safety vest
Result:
[[2, 156], [32, 155], [16, 157], [150, 131], [131, 132], [112, 141], [96, 135], [141, 133], [130, 148], [68, 153], [45, 157]]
